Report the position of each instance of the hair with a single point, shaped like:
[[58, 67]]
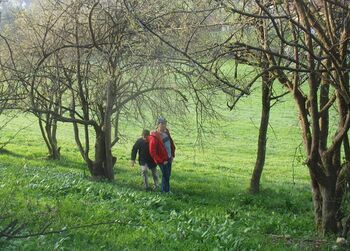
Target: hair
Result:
[[145, 133], [161, 120]]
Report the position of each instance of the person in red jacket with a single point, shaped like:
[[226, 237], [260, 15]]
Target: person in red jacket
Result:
[[162, 150]]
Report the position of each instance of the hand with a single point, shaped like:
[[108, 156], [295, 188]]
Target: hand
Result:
[[165, 162], [132, 163]]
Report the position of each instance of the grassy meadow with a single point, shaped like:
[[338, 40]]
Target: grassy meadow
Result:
[[210, 208]]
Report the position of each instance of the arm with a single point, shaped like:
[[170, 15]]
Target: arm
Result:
[[134, 151], [173, 147], [172, 144]]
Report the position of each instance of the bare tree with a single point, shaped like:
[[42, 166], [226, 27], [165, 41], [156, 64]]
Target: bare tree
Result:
[[88, 62], [200, 55], [35, 66], [307, 45], [10, 93], [315, 39]]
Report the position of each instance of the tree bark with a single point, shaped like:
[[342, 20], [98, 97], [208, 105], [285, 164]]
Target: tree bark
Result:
[[346, 146], [49, 134], [327, 193], [108, 132], [99, 167], [329, 209], [264, 122], [326, 206], [317, 202]]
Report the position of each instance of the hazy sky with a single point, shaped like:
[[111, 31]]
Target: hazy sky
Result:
[[18, 3]]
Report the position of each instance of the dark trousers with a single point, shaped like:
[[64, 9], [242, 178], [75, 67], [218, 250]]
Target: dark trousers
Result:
[[166, 172]]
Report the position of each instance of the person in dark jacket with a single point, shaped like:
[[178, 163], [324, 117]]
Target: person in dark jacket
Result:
[[162, 150], [146, 162]]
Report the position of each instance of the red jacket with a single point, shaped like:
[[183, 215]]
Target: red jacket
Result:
[[157, 148]]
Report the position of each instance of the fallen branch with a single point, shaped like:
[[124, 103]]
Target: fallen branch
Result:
[[12, 229]]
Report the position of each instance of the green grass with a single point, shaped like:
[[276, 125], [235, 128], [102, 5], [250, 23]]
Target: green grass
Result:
[[210, 208]]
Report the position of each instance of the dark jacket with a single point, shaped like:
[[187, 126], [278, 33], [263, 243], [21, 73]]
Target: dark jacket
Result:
[[157, 148], [141, 146]]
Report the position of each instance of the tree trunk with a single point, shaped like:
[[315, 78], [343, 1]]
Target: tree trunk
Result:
[[329, 210], [236, 70], [100, 156], [325, 207], [327, 193], [346, 145], [264, 122], [99, 168], [317, 202], [108, 131], [49, 132]]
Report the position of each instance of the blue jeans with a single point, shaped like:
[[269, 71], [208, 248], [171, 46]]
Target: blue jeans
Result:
[[166, 172]]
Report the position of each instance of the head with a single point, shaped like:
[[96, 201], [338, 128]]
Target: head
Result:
[[145, 133], [161, 124]]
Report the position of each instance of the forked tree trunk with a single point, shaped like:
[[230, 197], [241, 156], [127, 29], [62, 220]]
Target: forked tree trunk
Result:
[[326, 208], [49, 134], [264, 122], [327, 195]]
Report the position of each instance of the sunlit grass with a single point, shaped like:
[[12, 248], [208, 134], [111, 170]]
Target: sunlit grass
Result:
[[210, 208]]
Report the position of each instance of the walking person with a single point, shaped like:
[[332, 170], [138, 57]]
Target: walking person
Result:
[[162, 150], [146, 162]]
